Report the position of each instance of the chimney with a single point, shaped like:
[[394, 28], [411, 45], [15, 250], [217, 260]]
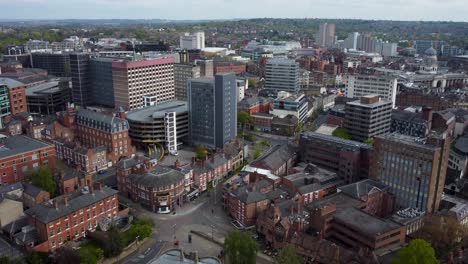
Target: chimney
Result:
[[122, 114], [62, 174], [91, 189], [193, 159], [65, 201], [177, 164], [292, 209], [427, 115], [299, 206], [55, 204]]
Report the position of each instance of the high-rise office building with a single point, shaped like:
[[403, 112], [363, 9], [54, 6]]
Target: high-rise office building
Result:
[[414, 169], [193, 40], [368, 117], [136, 79], [326, 35], [367, 42], [182, 73], [57, 64], [282, 75], [102, 86], [80, 77], [213, 110], [358, 86]]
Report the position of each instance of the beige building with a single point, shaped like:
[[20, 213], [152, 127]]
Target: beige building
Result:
[[10, 211], [136, 81]]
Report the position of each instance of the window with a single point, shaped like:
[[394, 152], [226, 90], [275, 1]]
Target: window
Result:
[[67, 225], [59, 230], [53, 243], [52, 233], [34, 157], [3, 165], [24, 159]]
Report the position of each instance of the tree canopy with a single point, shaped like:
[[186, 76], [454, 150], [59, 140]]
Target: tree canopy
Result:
[[201, 152], [242, 117], [240, 248], [288, 255], [341, 133], [418, 251], [43, 178]]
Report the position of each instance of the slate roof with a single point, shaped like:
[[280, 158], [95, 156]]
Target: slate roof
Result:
[[461, 115], [100, 120], [361, 188], [27, 237], [273, 159], [461, 145], [407, 116], [446, 114], [247, 196], [32, 190], [364, 222], [15, 226], [11, 83], [9, 188], [248, 102], [128, 163], [47, 213], [19, 144], [158, 176]]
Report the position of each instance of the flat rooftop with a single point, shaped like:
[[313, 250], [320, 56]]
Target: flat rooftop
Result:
[[147, 114], [19, 144], [43, 88], [364, 222], [414, 141]]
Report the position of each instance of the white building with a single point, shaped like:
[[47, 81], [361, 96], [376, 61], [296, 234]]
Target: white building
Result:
[[242, 85], [193, 41], [351, 41], [290, 104], [358, 86], [389, 49]]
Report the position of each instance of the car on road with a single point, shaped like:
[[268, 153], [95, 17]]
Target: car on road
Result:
[[164, 210], [102, 171]]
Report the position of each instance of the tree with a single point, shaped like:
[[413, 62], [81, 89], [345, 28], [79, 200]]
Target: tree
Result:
[[242, 118], [444, 233], [67, 255], [44, 179], [369, 141], [341, 133], [37, 258], [418, 251], [113, 245], [240, 248], [288, 255], [252, 83], [257, 152], [90, 253], [201, 152]]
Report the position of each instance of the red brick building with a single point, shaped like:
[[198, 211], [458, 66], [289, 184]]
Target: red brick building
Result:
[[262, 121], [71, 180], [33, 195], [69, 217], [86, 159], [95, 129], [21, 155], [255, 105], [16, 95], [225, 67]]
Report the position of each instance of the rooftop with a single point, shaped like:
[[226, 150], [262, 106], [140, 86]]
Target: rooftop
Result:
[[32, 190], [274, 158], [49, 87], [47, 213], [10, 83], [364, 222], [361, 188], [461, 145], [407, 116], [341, 200], [158, 176], [149, 113], [19, 144], [337, 140], [413, 141]]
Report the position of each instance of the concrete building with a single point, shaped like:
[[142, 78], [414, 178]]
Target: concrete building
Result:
[[325, 37], [50, 97], [133, 80], [351, 41], [358, 86], [20, 155], [368, 117], [69, 217], [388, 49], [413, 168], [102, 84], [80, 78], [282, 75], [213, 110], [291, 104], [193, 40], [206, 67], [349, 159], [96, 129], [182, 73], [147, 125]]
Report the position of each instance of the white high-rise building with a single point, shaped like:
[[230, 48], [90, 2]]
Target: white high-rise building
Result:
[[351, 41], [385, 87], [389, 49], [282, 74], [193, 40]]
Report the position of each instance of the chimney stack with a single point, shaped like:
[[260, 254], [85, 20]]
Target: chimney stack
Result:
[[65, 200], [177, 164], [62, 174], [55, 204], [427, 115]]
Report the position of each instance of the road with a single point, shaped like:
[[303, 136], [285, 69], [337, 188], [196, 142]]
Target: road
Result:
[[146, 256]]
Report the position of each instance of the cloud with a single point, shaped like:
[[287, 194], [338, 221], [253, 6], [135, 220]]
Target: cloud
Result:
[[219, 9]]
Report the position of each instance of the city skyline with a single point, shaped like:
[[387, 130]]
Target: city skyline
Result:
[[415, 10]]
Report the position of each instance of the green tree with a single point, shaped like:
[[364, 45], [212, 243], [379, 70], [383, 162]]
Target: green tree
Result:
[[240, 248], [369, 141], [252, 83], [90, 253], [418, 251], [288, 255], [242, 118], [257, 152], [44, 179], [113, 245], [201, 152], [341, 133], [37, 258]]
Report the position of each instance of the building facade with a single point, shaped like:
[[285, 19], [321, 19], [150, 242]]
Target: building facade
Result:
[[368, 117], [325, 37], [16, 95], [57, 64], [86, 159], [213, 110], [282, 75], [21, 155], [49, 98], [413, 168], [358, 86], [193, 40], [291, 104], [80, 77], [133, 80], [349, 159], [182, 73]]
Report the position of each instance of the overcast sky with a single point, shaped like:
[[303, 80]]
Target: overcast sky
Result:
[[448, 10]]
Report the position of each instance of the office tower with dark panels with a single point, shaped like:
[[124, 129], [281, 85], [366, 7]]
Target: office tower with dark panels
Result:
[[102, 85], [213, 110], [414, 168], [81, 79], [57, 64]]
